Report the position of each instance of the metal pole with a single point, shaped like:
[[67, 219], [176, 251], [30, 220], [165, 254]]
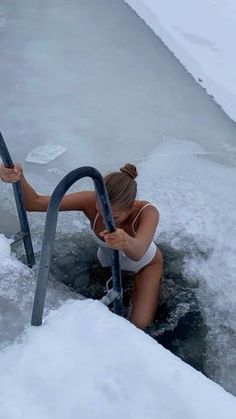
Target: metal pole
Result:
[[49, 236], [24, 225], [110, 226]]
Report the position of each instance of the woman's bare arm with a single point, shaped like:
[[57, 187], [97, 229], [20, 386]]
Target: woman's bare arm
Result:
[[78, 201], [135, 247], [138, 245]]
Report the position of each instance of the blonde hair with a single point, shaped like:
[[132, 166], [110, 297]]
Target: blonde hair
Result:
[[122, 186]]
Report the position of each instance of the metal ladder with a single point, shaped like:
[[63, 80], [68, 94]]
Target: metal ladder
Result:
[[114, 295]]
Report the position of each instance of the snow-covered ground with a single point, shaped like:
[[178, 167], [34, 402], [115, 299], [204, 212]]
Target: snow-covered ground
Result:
[[86, 362], [17, 288], [202, 36], [71, 76]]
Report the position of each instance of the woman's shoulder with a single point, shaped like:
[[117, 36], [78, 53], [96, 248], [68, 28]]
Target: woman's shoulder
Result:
[[144, 210], [146, 213], [141, 205]]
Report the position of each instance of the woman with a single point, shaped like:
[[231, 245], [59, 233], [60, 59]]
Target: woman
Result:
[[136, 223]]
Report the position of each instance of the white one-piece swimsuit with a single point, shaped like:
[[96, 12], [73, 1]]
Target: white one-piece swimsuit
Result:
[[104, 252]]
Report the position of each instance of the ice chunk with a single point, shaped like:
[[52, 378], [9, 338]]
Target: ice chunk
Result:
[[5, 249], [45, 153]]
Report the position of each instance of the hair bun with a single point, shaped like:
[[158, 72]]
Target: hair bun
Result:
[[130, 170]]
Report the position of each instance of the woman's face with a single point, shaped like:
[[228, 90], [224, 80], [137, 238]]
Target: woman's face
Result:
[[119, 214]]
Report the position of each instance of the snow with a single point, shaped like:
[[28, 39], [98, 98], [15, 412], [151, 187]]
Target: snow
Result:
[[197, 216], [86, 362], [17, 288], [5, 249], [202, 36], [195, 197], [45, 153]]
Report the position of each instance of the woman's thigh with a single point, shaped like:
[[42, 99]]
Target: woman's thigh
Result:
[[146, 291]]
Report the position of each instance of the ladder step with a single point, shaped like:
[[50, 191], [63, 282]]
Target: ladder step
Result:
[[18, 237], [110, 297]]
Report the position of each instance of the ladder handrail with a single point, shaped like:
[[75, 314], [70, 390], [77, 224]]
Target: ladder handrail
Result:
[[23, 220], [49, 236]]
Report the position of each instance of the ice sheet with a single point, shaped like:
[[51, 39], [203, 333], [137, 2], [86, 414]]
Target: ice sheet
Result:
[[45, 154], [202, 36]]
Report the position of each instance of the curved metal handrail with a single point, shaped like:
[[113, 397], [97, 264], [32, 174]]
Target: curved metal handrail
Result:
[[49, 235], [24, 234]]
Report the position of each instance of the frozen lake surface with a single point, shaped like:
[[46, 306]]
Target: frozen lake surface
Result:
[[92, 77]]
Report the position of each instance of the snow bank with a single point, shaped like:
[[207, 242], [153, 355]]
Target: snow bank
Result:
[[202, 36], [17, 289], [86, 362]]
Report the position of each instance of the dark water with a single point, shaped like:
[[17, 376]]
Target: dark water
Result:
[[179, 325]]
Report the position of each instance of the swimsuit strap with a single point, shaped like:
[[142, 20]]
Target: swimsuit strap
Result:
[[141, 209], [95, 220], [134, 221]]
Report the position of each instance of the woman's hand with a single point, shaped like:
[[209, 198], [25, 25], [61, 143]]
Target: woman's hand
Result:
[[118, 240], [10, 175]]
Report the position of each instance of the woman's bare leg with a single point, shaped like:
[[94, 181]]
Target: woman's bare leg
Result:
[[146, 291]]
